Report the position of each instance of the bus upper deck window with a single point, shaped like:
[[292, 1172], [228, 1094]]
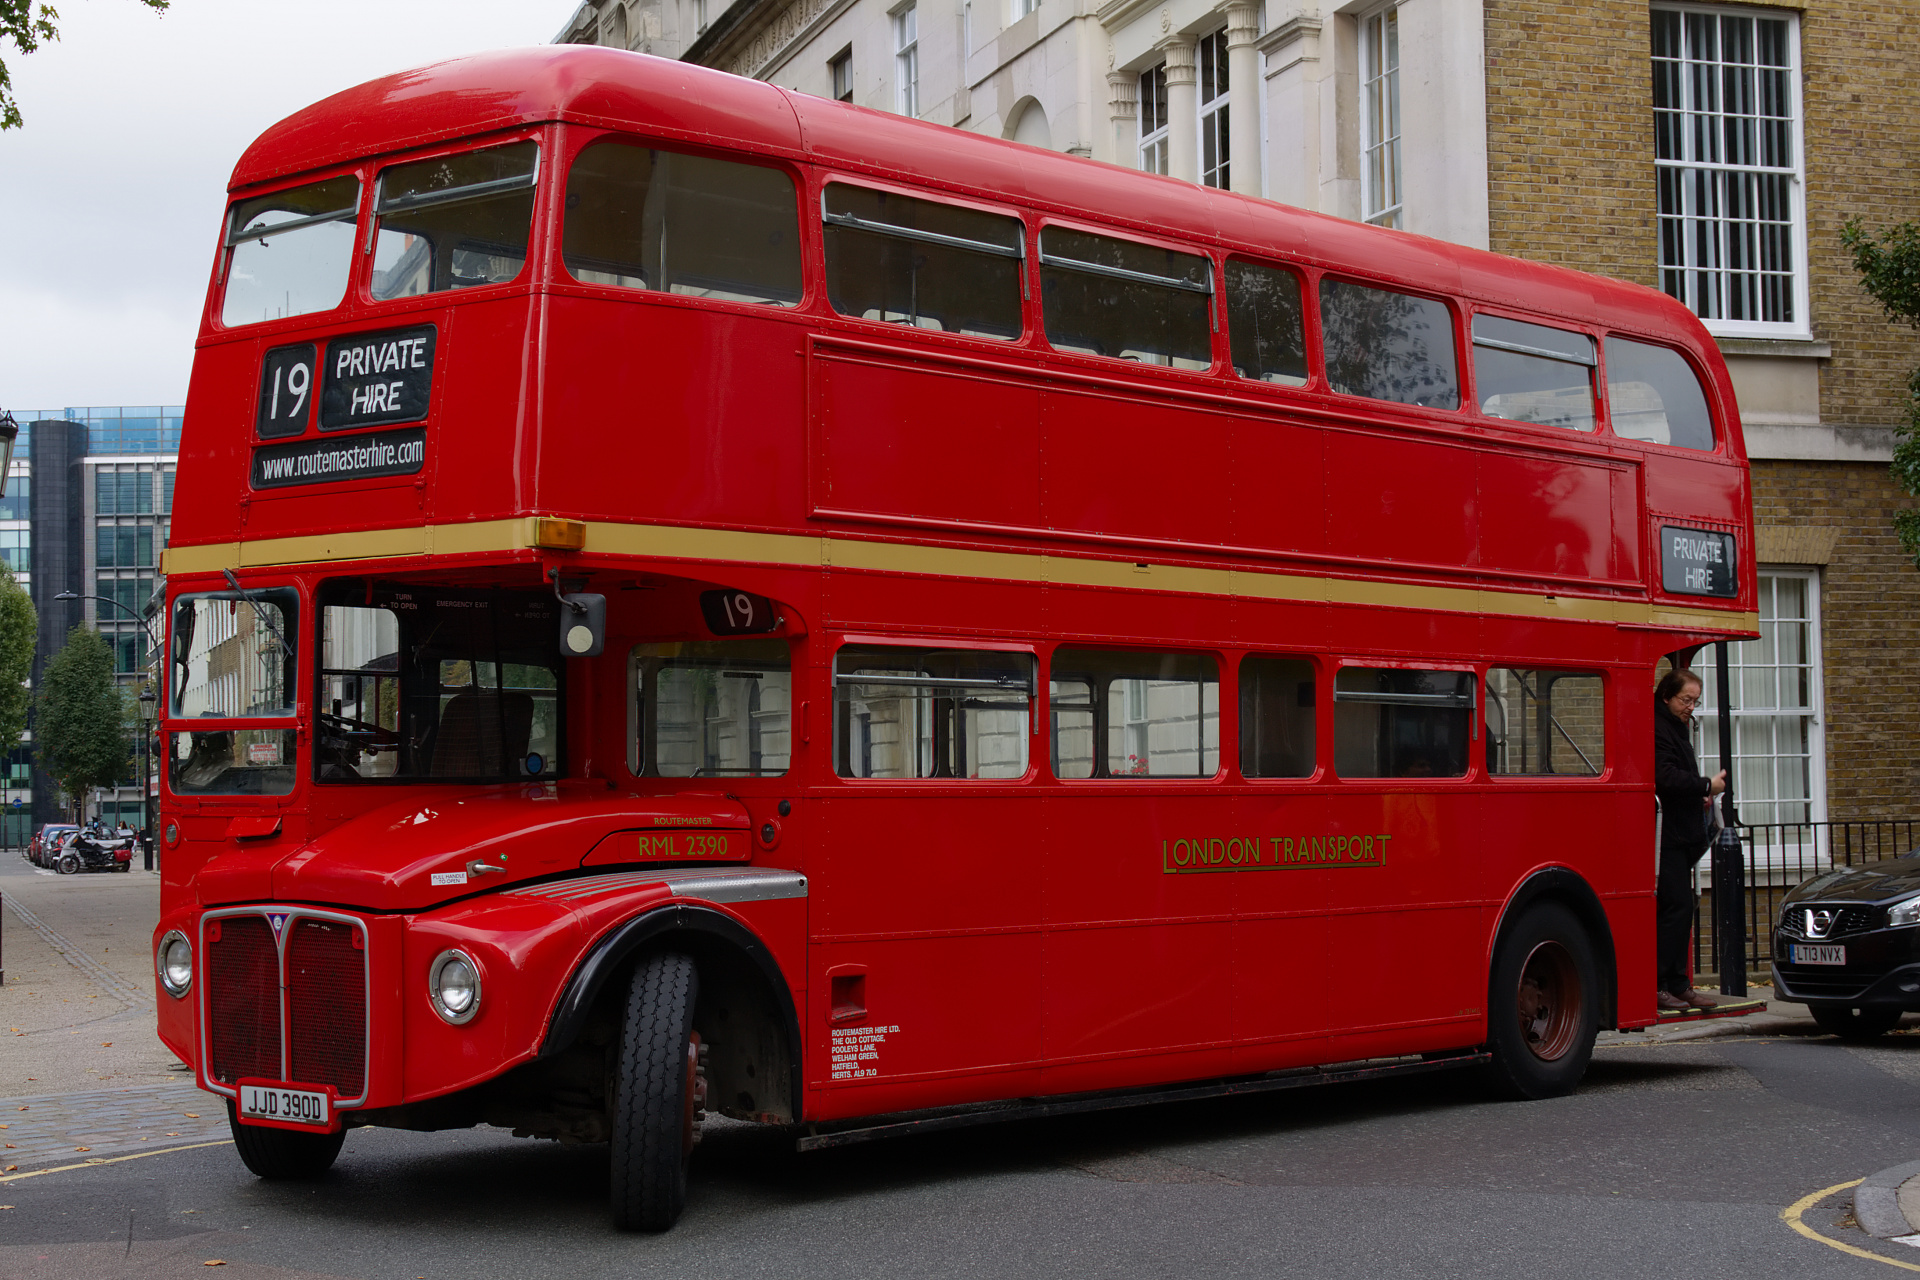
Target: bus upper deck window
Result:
[[919, 263], [1400, 723], [1388, 346], [454, 222], [931, 713], [1131, 301], [290, 252], [714, 709], [644, 218], [1122, 714], [1264, 323], [1652, 394], [1533, 373]]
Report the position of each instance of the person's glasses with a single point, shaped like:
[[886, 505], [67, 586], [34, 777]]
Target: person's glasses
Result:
[[1688, 699]]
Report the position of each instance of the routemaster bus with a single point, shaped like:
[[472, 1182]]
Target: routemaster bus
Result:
[[688, 598]]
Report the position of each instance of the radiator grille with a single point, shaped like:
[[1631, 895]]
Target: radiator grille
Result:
[[327, 1006], [243, 1000]]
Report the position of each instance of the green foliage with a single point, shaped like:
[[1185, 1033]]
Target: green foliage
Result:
[[82, 734], [18, 625], [1889, 267], [27, 26]]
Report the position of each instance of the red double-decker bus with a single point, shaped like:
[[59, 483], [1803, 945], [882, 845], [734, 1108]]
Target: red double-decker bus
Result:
[[686, 597]]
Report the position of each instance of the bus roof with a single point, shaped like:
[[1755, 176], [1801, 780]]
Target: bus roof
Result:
[[611, 88]]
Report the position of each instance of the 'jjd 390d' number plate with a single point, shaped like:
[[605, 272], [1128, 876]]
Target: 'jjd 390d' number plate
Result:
[[1803, 954], [288, 1106]]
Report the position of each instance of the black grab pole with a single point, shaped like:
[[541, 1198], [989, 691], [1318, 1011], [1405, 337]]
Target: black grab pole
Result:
[[1729, 865]]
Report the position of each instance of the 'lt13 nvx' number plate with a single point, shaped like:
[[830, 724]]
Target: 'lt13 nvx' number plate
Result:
[[1803, 954]]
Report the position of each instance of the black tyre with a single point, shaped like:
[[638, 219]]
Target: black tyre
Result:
[[656, 1086], [1542, 1005], [283, 1154], [69, 863], [1854, 1022]]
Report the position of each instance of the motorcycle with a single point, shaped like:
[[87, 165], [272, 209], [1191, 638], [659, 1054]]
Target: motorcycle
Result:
[[96, 853]]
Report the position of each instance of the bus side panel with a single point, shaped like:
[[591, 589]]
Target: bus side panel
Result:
[[1282, 996], [1120, 465], [925, 911], [694, 446], [215, 435], [1379, 489], [1405, 964], [1276, 473], [1139, 976], [1546, 514]]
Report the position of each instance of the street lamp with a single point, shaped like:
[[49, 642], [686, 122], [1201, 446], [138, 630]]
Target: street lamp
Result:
[[149, 708], [9, 430]]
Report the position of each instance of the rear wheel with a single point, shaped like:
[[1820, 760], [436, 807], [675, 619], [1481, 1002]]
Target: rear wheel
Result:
[[656, 1087], [283, 1154], [1542, 1005], [1854, 1022]]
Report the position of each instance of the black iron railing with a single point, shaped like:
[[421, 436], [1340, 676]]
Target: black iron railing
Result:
[[1778, 856]]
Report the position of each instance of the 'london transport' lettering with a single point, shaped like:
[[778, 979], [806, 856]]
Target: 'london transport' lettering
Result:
[[1272, 853]]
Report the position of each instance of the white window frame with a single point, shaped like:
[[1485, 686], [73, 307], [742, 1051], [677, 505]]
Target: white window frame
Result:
[[840, 75], [1152, 154], [1382, 200], [1018, 9], [1212, 114], [1689, 268], [906, 59], [1706, 716]]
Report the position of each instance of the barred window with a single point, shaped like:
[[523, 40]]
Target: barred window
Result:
[[1726, 97]]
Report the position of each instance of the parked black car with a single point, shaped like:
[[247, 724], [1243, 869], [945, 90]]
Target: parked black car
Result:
[[1847, 945]]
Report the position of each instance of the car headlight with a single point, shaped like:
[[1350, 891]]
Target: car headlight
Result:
[[173, 960], [1906, 911], [453, 984]]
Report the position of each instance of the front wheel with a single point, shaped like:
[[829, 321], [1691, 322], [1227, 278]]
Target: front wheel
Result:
[[69, 863], [1542, 1005], [1854, 1022], [282, 1154], [656, 1091]]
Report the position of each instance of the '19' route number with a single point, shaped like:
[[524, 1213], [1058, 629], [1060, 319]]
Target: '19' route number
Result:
[[737, 613], [286, 390]]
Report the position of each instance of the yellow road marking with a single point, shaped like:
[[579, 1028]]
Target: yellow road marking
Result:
[[1791, 1215], [138, 1155]]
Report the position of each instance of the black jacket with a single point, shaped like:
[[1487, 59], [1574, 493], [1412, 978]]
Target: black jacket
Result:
[[1679, 784]]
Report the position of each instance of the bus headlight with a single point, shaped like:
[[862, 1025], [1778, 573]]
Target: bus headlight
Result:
[[453, 984], [174, 962]]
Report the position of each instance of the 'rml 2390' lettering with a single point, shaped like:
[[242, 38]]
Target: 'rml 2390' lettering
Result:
[[683, 844], [1272, 853]]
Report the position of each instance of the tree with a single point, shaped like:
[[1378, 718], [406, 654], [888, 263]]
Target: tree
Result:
[[27, 27], [18, 626], [1889, 267], [81, 732]]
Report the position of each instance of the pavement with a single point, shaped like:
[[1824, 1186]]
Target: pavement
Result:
[[83, 1075]]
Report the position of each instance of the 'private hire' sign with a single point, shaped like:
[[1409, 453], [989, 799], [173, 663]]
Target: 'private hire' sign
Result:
[[1697, 562]]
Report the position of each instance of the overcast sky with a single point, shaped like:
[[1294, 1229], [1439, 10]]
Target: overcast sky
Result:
[[110, 197]]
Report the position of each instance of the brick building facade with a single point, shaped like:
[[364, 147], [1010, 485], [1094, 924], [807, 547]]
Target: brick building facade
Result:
[[1714, 151]]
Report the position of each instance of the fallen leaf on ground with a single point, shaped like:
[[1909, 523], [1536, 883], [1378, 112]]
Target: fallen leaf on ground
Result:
[[83, 1148], [214, 1262], [191, 1115], [106, 1044], [23, 1108], [12, 1167], [172, 1134]]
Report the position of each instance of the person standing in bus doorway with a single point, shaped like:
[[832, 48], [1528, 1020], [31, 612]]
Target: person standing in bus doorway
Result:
[[1684, 794]]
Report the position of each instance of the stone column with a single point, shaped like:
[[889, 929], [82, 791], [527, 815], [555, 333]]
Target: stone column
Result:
[[1243, 96], [1294, 69], [1123, 103], [1183, 109]]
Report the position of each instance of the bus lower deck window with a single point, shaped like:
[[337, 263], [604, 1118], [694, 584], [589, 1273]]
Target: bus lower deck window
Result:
[[1545, 722], [921, 263], [454, 222], [1388, 346], [1130, 301], [1276, 718], [640, 217], [929, 713], [1124, 714], [713, 709], [1396, 722]]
